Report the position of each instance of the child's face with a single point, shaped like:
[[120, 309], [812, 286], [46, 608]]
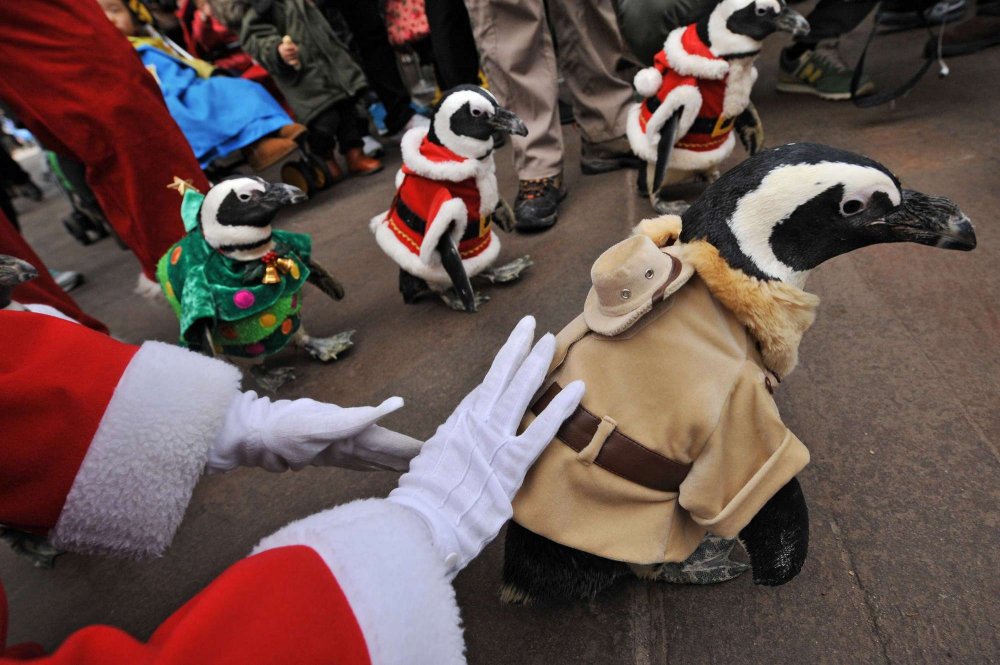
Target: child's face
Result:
[[119, 16]]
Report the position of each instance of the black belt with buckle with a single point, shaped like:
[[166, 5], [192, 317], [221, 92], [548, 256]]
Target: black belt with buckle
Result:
[[419, 225]]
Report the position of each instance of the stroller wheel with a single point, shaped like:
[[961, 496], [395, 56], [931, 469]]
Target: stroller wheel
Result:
[[299, 174]]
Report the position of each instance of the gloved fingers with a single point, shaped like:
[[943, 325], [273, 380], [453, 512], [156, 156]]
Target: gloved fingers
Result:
[[505, 365], [510, 408], [341, 423], [521, 452], [391, 447]]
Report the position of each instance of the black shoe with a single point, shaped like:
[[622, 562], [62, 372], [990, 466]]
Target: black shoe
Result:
[[537, 204], [607, 156]]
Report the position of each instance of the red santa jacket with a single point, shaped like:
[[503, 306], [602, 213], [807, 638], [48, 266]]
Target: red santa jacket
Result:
[[99, 436], [437, 190], [711, 90]]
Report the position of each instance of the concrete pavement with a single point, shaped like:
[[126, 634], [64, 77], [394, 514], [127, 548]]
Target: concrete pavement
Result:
[[896, 396]]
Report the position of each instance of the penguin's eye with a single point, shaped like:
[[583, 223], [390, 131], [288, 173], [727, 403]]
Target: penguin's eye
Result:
[[852, 206], [761, 10], [476, 113], [243, 197]]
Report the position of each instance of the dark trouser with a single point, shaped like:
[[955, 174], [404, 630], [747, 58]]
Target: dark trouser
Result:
[[337, 124], [378, 59], [833, 18], [456, 61]]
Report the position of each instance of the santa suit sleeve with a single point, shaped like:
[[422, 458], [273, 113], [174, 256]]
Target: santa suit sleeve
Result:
[[103, 441], [357, 584]]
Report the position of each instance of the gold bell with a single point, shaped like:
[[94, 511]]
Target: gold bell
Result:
[[288, 266], [271, 275]]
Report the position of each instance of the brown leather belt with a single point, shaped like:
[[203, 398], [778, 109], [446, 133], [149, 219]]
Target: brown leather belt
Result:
[[621, 455]]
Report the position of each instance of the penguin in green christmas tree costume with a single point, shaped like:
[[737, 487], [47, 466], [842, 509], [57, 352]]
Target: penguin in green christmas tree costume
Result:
[[235, 283]]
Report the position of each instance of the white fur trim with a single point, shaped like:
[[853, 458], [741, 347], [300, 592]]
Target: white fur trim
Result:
[[695, 160], [644, 143], [647, 81], [399, 177], [451, 211], [483, 170], [136, 479], [689, 64], [742, 76], [44, 309], [433, 272], [382, 557], [147, 288]]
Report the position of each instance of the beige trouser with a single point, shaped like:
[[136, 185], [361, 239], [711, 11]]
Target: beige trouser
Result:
[[520, 62]]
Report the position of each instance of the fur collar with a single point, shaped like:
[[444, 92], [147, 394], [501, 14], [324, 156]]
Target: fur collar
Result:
[[438, 163], [688, 55], [776, 314]]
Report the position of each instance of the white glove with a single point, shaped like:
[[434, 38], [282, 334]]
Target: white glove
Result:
[[291, 434], [462, 482]]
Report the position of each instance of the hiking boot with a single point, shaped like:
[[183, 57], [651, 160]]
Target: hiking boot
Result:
[[821, 72], [537, 204], [607, 156], [292, 132], [975, 34], [268, 152], [358, 163]]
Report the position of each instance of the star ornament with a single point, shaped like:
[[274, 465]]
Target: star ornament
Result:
[[183, 186]]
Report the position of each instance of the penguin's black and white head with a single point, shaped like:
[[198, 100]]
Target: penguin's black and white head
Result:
[[784, 211], [466, 118], [736, 28], [13, 271], [236, 214]]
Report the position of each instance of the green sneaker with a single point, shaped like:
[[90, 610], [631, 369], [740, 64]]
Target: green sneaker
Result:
[[821, 72]]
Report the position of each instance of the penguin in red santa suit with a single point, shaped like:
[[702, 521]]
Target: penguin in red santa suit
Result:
[[439, 227], [698, 92]]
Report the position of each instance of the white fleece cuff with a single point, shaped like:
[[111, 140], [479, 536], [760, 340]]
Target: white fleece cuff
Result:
[[383, 559], [136, 479]]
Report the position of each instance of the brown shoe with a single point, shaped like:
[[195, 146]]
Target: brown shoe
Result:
[[292, 132], [358, 163], [336, 173], [268, 152]]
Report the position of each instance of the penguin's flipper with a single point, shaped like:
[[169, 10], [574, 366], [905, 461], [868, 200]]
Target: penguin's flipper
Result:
[[750, 129], [451, 260], [326, 282], [777, 538], [503, 216], [668, 135]]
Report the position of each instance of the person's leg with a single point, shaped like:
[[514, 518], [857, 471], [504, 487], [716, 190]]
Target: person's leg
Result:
[[378, 59], [350, 141], [812, 64], [322, 136], [590, 48], [106, 112], [42, 290], [520, 63], [456, 60]]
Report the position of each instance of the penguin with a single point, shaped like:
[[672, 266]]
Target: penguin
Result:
[[750, 242], [235, 283], [697, 95], [13, 271], [439, 227]]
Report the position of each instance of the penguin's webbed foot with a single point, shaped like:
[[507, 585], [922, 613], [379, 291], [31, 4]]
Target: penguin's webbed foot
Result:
[[453, 300], [272, 379], [412, 287], [709, 564], [508, 272], [665, 207], [36, 548], [326, 349]]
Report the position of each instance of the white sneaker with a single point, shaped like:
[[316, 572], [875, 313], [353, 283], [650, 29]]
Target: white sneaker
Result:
[[371, 147]]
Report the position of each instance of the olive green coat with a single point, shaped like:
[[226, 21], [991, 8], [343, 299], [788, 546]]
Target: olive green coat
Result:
[[328, 74]]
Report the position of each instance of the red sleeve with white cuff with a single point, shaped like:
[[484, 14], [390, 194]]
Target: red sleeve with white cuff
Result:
[[109, 439]]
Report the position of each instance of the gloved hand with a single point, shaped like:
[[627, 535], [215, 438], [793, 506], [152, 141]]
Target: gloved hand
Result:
[[462, 482], [292, 434]]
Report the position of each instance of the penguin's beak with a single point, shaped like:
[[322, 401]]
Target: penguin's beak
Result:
[[278, 194], [793, 22], [930, 220], [14, 271], [505, 121]]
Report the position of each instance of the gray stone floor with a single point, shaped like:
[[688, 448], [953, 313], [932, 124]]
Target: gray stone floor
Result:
[[896, 397]]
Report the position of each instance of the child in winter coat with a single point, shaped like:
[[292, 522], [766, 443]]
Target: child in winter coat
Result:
[[314, 71], [218, 115]]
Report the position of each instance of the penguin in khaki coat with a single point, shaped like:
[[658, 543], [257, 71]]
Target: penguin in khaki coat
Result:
[[677, 449]]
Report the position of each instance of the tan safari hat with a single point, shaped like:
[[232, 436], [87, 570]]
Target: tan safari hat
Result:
[[629, 278]]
